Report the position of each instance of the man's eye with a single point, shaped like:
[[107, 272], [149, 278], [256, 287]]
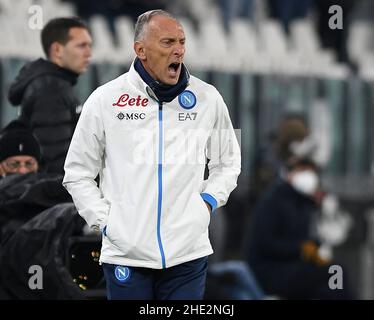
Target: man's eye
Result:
[[13, 165]]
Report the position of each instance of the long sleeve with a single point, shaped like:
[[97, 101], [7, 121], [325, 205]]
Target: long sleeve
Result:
[[83, 163], [280, 223], [223, 152], [269, 242]]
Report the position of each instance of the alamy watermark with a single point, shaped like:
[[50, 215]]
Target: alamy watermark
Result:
[[35, 21], [189, 147], [36, 280], [336, 280], [336, 20]]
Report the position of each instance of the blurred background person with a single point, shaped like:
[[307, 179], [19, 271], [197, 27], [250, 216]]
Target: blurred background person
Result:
[[284, 250], [274, 153], [44, 88], [24, 191], [24, 194], [19, 149]]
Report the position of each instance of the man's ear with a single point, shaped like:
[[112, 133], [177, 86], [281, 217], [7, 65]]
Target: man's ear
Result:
[[2, 170], [55, 51], [140, 50]]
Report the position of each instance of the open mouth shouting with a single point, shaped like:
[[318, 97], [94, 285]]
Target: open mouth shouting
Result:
[[174, 69]]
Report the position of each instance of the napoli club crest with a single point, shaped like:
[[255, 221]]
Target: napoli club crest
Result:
[[122, 273], [187, 99]]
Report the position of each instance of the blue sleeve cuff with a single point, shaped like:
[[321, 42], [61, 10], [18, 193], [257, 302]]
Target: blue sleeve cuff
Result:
[[210, 199]]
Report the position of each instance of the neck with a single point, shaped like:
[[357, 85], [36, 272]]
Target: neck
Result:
[[59, 63], [55, 60]]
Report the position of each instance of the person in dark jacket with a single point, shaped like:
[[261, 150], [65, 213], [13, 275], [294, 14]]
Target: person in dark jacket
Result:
[[19, 149], [42, 242], [283, 249], [44, 88]]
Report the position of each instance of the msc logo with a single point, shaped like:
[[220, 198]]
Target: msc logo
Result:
[[131, 116], [187, 99], [125, 100], [122, 274]]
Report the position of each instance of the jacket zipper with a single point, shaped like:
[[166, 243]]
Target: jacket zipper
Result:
[[159, 174]]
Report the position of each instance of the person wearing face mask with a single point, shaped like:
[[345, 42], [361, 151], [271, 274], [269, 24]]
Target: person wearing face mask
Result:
[[282, 249], [304, 181]]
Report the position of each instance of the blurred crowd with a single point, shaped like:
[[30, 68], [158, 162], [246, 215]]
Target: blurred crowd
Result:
[[285, 11]]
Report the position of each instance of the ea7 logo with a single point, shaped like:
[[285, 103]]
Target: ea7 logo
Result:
[[125, 100], [187, 116]]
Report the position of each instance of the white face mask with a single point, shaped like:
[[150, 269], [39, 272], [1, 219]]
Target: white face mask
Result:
[[305, 182]]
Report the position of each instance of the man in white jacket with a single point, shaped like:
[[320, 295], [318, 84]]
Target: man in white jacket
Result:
[[148, 135]]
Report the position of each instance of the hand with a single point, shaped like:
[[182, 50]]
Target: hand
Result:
[[308, 250], [309, 253], [319, 261]]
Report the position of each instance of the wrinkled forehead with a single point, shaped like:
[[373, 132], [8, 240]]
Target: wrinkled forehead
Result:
[[162, 26]]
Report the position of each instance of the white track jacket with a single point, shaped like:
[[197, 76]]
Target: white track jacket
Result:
[[151, 158]]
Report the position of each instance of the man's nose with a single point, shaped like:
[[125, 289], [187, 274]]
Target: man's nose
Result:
[[89, 52], [23, 170], [179, 50]]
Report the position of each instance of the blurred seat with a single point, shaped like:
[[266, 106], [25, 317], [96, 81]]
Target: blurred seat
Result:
[[273, 45], [273, 37], [311, 58], [360, 40], [304, 37], [56, 8], [124, 28], [20, 32], [103, 49], [194, 58], [243, 46], [213, 44], [360, 45]]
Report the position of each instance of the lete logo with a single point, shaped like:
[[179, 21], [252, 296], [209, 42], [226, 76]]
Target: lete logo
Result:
[[125, 100]]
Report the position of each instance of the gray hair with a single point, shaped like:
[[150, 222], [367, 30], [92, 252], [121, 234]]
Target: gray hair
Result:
[[144, 19]]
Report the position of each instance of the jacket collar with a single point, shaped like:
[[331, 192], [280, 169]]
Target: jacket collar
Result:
[[155, 91], [136, 80]]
